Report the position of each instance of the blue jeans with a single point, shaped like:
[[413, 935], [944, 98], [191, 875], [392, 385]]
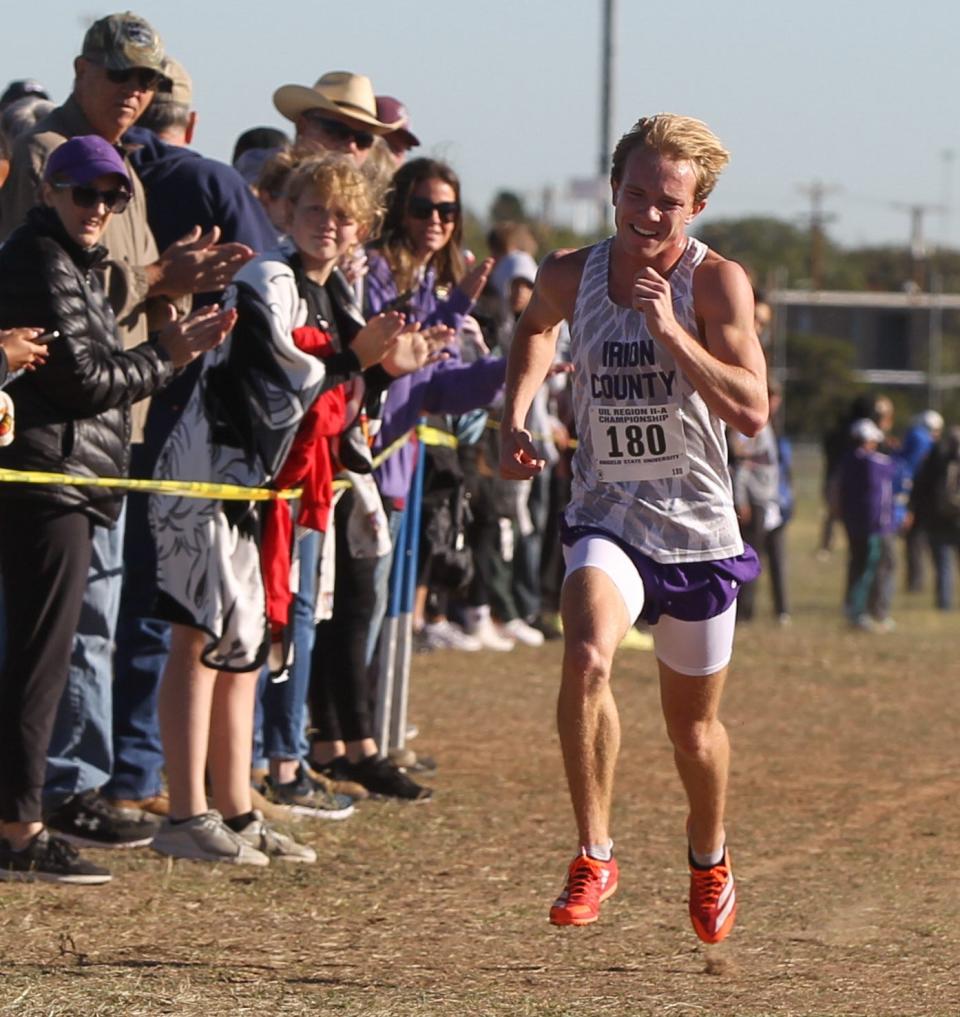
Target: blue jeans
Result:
[[80, 756], [143, 644], [381, 581], [280, 731]]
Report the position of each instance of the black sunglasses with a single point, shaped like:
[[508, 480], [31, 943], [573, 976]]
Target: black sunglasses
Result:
[[147, 80], [341, 131], [115, 200], [423, 208]]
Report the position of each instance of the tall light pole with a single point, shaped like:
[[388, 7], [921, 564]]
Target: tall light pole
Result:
[[607, 67]]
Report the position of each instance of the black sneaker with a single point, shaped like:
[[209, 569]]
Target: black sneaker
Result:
[[89, 820], [50, 859], [380, 777]]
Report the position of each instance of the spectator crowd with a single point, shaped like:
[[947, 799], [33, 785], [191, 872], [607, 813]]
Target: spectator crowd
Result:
[[181, 670]]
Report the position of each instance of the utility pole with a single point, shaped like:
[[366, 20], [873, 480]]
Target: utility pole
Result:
[[816, 191], [947, 157], [607, 68], [918, 244]]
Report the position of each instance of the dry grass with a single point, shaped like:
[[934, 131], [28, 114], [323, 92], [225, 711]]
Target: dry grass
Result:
[[844, 822]]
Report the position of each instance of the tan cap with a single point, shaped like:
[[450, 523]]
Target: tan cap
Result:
[[343, 95], [121, 41], [178, 87]]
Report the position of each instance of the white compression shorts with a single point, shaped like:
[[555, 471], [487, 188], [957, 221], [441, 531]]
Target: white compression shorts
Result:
[[695, 648]]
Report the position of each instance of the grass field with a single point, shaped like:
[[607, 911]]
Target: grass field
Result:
[[844, 824]]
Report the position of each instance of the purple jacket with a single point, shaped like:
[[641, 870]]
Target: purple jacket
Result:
[[449, 386], [446, 387], [866, 493], [423, 305]]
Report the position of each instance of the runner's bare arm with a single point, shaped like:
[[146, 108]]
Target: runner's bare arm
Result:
[[531, 355], [728, 368]]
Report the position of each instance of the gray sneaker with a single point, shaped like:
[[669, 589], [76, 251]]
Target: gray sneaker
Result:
[[266, 840], [306, 797], [206, 838]]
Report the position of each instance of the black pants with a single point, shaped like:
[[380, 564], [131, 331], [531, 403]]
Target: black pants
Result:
[[340, 695], [44, 558]]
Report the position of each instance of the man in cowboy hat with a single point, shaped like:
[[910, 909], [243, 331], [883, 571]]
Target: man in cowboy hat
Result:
[[339, 113]]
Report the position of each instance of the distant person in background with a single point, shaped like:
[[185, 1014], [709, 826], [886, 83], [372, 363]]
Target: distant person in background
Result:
[[254, 148], [935, 510], [921, 436], [17, 118], [776, 542], [865, 498], [20, 89], [401, 139]]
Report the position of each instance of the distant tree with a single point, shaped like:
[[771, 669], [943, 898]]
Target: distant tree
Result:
[[820, 384], [763, 245]]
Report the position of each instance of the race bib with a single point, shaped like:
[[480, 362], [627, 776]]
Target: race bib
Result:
[[632, 443]]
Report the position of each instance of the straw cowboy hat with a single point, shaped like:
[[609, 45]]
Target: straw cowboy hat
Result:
[[346, 96]]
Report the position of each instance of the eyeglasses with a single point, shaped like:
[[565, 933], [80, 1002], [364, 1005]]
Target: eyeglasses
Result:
[[147, 80], [423, 208], [340, 131], [115, 200]]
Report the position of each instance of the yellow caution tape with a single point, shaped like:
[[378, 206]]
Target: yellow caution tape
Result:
[[207, 489]]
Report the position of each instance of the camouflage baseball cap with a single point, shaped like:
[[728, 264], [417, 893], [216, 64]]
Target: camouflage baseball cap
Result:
[[122, 41]]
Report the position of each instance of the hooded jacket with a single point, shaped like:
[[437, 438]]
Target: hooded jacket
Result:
[[73, 413]]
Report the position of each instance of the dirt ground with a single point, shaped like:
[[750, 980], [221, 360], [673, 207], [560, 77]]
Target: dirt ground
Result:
[[844, 824]]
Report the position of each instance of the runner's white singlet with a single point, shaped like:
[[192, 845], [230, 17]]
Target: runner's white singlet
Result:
[[651, 465]]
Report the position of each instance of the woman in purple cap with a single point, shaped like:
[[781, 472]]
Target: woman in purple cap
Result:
[[73, 417]]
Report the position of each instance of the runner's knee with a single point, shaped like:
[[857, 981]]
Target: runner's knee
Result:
[[694, 740], [586, 664]]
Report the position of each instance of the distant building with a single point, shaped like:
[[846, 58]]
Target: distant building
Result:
[[910, 339]]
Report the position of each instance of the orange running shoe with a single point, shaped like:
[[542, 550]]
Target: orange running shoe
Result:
[[589, 883], [713, 900]]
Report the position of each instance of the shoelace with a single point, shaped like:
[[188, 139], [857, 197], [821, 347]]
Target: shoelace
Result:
[[710, 883], [583, 882]]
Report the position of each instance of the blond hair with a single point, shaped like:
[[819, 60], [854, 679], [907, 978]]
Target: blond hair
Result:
[[678, 138], [339, 184]]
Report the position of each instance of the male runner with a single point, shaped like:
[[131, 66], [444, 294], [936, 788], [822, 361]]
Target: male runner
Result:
[[665, 355]]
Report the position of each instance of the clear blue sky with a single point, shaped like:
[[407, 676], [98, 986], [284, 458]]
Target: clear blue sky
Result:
[[863, 96]]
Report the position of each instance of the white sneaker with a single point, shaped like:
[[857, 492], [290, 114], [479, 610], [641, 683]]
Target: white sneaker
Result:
[[481, 627], [519, 630], [206, 838], [444, 635], [274, 844]]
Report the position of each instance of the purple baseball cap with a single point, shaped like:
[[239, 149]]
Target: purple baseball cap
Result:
[[390, 111], [83, 159]]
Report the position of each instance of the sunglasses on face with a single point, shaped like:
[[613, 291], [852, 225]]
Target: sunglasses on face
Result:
[[342, 132], [147, 80], [423, 208], [114, 200]]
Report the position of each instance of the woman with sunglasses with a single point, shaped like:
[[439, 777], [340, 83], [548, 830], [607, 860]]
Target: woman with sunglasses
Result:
[[73, 417], [418, 255]]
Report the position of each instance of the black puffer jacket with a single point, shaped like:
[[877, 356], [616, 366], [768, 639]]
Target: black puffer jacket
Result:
[[73, 414]]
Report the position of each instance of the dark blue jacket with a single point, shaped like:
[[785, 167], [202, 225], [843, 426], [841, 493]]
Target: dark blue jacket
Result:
[[186, 189]]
